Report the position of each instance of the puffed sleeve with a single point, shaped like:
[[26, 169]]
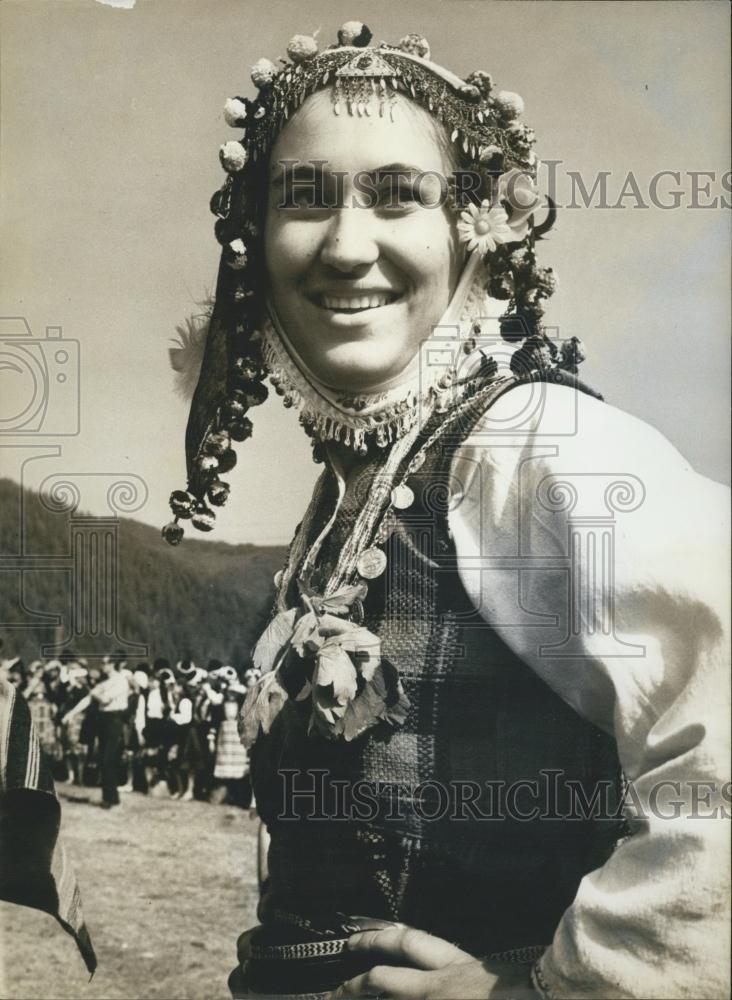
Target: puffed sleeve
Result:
[[599, 556]]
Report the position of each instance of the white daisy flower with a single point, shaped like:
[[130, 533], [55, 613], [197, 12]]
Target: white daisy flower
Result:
[[483, 227]]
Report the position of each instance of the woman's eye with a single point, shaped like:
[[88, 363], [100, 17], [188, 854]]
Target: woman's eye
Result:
[[303, 197], [397, 197], [407, 194], [312, 197]]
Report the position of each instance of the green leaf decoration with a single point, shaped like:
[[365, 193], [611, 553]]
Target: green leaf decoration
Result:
[[274, 641], [262, 705]]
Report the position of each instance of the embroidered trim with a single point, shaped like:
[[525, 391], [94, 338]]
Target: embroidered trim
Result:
[[366, 80], [294, 952], [529, 953], [365, 525], [298, 555], [286, 917], [539, 982], [388, 419]]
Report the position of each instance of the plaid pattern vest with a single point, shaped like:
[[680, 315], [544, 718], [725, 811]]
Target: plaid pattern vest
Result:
[[466, 821]]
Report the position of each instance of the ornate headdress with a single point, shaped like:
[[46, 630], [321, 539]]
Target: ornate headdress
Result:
[[243, 345]]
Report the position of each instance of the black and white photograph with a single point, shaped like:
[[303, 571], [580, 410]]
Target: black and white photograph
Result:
[[364, 500]]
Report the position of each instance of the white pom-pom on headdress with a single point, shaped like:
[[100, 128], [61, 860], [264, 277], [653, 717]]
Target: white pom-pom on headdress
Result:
[[354, 33], [302, 47], [509, 104], [233, 156], [263, 73], [482, 80], [237, 254], [235, 112], [416, 44]]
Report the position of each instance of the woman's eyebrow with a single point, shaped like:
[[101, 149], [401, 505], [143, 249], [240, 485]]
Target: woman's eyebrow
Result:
[[395, 170], [303, 171], [309, 171]]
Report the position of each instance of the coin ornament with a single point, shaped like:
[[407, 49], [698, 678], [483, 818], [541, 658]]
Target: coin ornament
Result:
[[371, 563], [402, 496]]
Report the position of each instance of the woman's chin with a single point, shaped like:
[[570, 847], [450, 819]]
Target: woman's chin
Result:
[[358, 367]]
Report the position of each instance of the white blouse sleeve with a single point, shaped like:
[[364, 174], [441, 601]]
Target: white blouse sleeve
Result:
[[599, 556], [183, 713]]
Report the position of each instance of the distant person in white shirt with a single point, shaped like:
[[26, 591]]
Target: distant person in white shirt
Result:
[[179, 720], [112, 694]]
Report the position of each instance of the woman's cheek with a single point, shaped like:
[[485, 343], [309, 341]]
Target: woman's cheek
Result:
[[292, 245], [425, 241]]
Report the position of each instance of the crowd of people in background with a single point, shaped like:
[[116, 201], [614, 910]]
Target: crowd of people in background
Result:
[[159, 729]]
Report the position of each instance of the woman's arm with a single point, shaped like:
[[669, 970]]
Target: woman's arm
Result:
[[80, 706], [183, 713], [568, 508]]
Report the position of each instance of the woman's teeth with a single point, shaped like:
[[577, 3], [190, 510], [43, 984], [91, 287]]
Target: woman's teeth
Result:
[[354, 303]]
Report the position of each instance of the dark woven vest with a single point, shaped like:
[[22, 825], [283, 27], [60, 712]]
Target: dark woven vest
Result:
[[464, 821]]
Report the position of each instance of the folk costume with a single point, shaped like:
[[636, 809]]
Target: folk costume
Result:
[[493, 664]]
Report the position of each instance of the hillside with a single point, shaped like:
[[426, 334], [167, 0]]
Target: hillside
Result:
[[202, 599]]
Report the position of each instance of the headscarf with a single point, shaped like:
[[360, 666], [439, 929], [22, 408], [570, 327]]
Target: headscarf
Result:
[[244, 340]]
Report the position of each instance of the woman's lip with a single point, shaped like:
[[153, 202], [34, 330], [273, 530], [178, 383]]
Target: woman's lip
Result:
[[352, 318]]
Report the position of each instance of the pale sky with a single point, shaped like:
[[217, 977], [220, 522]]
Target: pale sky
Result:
[[111, 127]]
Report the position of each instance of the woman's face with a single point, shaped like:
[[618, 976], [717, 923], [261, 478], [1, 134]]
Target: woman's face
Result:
[[358, 287]]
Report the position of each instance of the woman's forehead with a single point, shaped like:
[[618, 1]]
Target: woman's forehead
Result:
[[350, 142]]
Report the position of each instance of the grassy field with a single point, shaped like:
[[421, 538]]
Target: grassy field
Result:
[[167, 887]]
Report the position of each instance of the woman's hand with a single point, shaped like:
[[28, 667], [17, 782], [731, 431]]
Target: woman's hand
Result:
[[425, 967]]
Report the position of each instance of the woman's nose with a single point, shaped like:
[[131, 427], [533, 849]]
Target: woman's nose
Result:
[[350, 241]]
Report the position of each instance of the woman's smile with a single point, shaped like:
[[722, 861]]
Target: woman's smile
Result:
[[353, 307], [354, 301]]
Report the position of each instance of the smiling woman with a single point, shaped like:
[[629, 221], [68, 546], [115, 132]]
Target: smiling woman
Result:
[[356, 287], [475, 693]]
